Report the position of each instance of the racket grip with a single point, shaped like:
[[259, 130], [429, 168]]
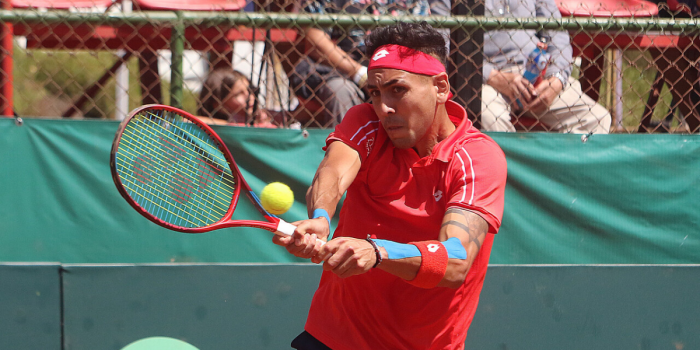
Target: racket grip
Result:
[[285, 228], [288, 229]]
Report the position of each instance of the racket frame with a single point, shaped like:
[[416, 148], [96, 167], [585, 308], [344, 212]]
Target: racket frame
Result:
[[273, 224]]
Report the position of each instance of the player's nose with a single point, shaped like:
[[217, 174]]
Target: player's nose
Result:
[[386, 108]]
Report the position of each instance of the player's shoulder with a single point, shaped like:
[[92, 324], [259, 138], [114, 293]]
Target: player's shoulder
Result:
[[359, 118], [475, 147], [358, 129], [475, 139], [363, 111]]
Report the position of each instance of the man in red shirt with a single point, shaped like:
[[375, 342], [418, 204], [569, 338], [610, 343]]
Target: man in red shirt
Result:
[[424, 199]]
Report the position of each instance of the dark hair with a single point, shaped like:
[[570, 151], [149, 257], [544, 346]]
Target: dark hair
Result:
[[418, 36], [215, 89]]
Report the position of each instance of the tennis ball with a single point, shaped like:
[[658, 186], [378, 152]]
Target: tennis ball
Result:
[[277, 198]]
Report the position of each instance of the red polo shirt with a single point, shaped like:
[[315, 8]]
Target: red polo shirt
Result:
[[401, 197]]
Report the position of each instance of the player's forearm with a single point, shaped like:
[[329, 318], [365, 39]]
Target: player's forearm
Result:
[[461, 235], [408, 268], [325, 192], [446, 260], [336, 172]]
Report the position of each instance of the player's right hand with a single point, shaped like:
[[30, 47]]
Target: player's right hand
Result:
[[346, 256], [306, 241]]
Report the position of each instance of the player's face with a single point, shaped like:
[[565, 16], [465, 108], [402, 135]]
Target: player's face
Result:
[[239, 102], [405, 104]]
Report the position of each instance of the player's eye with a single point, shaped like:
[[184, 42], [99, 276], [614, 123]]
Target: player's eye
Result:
[[398, 89]]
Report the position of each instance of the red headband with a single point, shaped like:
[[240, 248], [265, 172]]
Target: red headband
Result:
[[406, 59]]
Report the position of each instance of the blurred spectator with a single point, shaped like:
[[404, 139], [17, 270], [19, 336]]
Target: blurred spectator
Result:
[[557, 102], [677, 67], [328, 81], [226, 98], [263, 119], [688, 6]]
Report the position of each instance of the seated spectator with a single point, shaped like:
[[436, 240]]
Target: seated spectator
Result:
[[557, 102], [226, 99]]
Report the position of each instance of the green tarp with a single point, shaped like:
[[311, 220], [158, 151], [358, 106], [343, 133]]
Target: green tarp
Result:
[[615, 199]]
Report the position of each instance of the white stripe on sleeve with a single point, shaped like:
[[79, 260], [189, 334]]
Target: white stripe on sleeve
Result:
[[362, 127], [464, 176]]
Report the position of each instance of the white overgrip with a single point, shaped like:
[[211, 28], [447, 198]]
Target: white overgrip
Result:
[[285, 228], [288, 229]]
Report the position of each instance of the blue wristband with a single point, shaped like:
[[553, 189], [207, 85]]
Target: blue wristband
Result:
[[322, 213], [394, 250]]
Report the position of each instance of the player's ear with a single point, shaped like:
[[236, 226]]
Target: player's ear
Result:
[[442, 83]]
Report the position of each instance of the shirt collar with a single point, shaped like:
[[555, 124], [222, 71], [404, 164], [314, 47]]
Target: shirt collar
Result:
[[444, 150]]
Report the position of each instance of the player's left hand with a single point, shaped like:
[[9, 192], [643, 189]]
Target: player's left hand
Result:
[[304, 243], [546, 92], [346, 256]]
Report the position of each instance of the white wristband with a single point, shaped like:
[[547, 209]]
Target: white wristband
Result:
[[360, 73]]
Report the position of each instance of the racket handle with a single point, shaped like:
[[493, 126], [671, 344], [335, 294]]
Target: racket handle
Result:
[[285, 228], [288, 229]]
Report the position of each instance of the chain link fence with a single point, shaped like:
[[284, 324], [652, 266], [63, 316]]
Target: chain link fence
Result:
[[621, 67]]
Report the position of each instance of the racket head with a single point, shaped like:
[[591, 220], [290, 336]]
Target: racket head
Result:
[[175, 170]]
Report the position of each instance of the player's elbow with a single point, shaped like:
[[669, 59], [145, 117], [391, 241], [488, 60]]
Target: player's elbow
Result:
[[456, 274]]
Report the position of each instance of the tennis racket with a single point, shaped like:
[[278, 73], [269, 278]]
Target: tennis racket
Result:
[[177, 172]]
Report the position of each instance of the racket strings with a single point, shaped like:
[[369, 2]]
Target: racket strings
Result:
[[220, 162], [158, 204], [174, 194], [159, 194], [172, 161], [173, 172], [220, 157]]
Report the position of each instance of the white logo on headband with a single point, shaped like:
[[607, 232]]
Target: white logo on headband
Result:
[[380, 54]]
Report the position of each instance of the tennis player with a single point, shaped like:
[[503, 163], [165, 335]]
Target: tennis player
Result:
[[424, 200]]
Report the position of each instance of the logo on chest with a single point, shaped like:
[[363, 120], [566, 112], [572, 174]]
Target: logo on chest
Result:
[[369, 144], [437, 195]]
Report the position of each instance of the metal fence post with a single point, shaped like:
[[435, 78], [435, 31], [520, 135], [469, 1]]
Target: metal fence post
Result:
[[6, 64], [177, 48], [466, 59]]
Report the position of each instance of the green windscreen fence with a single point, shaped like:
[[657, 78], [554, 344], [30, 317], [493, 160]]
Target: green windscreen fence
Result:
[[30, 306], [614, 199], [264, 306]]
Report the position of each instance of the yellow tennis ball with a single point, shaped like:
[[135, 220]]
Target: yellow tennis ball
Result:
[[277, 198]]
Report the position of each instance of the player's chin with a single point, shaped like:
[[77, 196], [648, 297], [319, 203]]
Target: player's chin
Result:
[[403, 142]]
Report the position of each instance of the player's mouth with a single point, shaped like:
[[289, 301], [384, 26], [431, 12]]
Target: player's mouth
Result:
[[392, 125]]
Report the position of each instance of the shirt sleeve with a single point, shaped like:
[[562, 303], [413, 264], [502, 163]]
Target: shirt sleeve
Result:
[[560, 45], [478, 174], [488, 68], [358, 129]]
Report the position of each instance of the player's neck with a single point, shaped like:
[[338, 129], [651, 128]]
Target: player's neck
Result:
[[442, 128]]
